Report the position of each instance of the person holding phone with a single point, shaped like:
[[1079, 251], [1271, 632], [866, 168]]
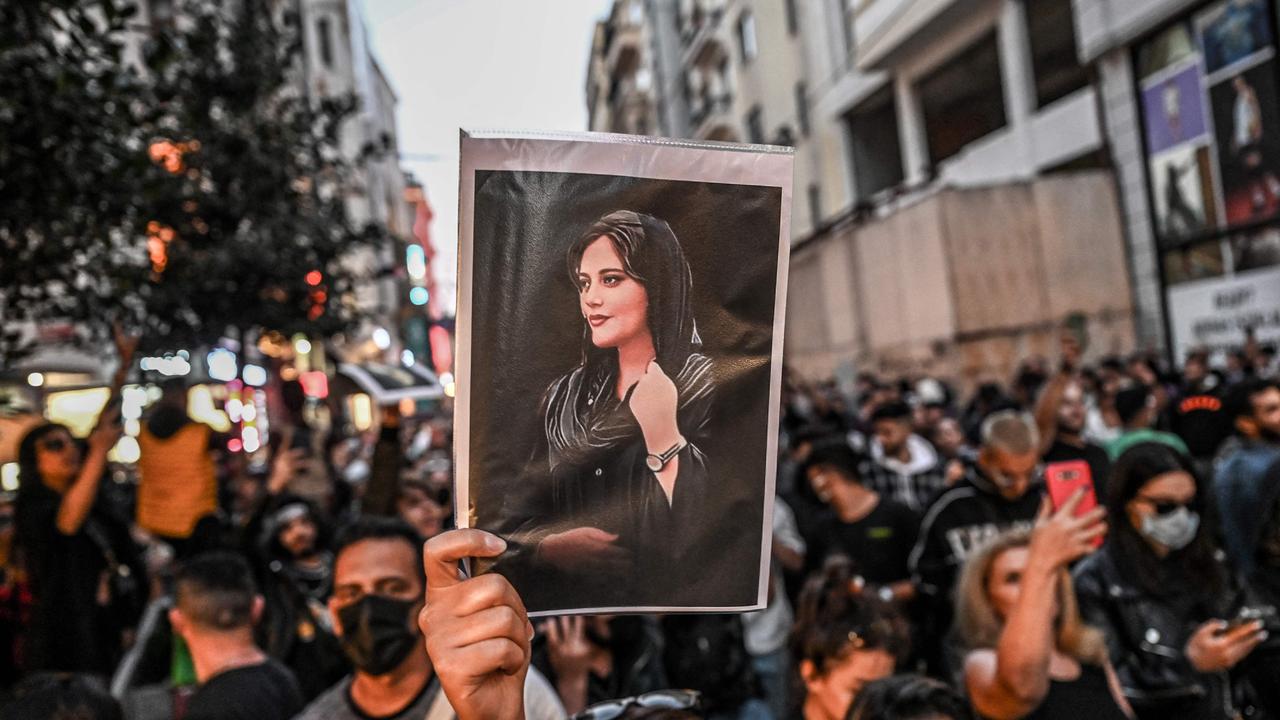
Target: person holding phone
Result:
[[1029, 653], [1061, 414], [80, 559], [1163, 595]]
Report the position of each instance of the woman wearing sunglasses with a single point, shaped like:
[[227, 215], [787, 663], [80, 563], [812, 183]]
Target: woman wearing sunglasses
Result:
[[77, 553], [1160, 591]]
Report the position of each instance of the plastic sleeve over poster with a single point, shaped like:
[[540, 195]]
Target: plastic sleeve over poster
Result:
[[619, 366]]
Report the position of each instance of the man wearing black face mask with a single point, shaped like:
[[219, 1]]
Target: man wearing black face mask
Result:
[[378, 585]]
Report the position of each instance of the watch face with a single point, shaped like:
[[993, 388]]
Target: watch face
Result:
[[654, 462]]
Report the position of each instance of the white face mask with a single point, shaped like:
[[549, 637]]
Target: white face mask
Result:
[[421, 443], [1173, 530], [357, 471]]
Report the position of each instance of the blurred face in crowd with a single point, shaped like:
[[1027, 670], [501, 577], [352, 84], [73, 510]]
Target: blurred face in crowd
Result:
[[1264, 422], [614, 304], [948, 437], [1071, 411], [1012, 473], [836, 487], [57, 458], [931, 415], [1194, 371], [422, 511], [831, 693], [298, 536], [378, 589], [1159, 499], [820, 479], [245, 491], [892, 434], [1004, 581]]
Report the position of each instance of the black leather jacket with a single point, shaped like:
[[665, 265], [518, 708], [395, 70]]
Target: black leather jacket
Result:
[[1146, 640]]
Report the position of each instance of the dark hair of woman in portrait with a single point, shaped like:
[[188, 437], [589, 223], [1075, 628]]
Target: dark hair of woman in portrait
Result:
[[628, 479], [1164, 597], [842, 640]]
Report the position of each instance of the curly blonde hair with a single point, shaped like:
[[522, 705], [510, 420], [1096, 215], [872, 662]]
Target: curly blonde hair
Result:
[[980, 625]]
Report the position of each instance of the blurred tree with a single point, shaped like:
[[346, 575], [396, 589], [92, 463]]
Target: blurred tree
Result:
[[198, 194]]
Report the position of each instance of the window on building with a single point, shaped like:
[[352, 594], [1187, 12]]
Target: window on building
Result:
[[755, 125], [793, 21], [747, 37], [326, 41], [875, 148], [815, 206], [1054, 61], [963, 100], [802, 108]]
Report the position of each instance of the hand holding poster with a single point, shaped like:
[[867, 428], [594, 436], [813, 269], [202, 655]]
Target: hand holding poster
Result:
[[619, 366]]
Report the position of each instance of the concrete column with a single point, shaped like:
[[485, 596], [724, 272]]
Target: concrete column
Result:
[[911, 134], [1016, 71]]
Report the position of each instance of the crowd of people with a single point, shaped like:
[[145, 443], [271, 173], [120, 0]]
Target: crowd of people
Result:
[[922, 566]]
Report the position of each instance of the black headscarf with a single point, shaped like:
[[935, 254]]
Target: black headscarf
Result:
[[583, 416]]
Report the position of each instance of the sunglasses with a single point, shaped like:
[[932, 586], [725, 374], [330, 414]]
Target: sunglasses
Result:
[[54, 445], [1165, 507], [658, 699]]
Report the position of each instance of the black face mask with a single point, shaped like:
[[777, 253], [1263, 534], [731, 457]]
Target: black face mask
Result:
[[376, 633]]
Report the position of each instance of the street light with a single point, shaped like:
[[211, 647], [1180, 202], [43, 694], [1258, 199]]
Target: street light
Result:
[[35, 379]]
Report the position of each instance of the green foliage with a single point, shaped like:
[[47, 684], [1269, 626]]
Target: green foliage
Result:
[[186, 194]]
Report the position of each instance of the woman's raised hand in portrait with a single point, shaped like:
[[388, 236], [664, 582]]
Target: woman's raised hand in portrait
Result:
[[653, 403], [584, 549]]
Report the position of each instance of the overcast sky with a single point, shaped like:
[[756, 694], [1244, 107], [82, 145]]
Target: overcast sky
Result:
[[478, 64]]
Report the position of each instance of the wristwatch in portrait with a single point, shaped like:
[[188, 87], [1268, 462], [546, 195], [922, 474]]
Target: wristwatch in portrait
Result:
[[655, 463]]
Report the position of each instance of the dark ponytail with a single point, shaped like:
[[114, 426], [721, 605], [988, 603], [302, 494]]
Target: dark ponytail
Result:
[[834, 618]]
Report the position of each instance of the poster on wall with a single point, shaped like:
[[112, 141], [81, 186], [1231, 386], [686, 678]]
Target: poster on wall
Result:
[[1246, 119], [1214, 314], [1233, 32], [1179, 139], [620, 331], [1181, 189], [1173, 109]]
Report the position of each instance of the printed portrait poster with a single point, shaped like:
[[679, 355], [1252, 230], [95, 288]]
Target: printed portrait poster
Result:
[[1246, 118], [620, 327]]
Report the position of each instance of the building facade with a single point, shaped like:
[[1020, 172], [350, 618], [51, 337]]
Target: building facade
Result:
[[338, 61], [953, 199], [1189, 90]]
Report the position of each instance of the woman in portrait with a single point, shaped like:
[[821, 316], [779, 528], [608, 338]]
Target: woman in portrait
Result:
[[627, 477]]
